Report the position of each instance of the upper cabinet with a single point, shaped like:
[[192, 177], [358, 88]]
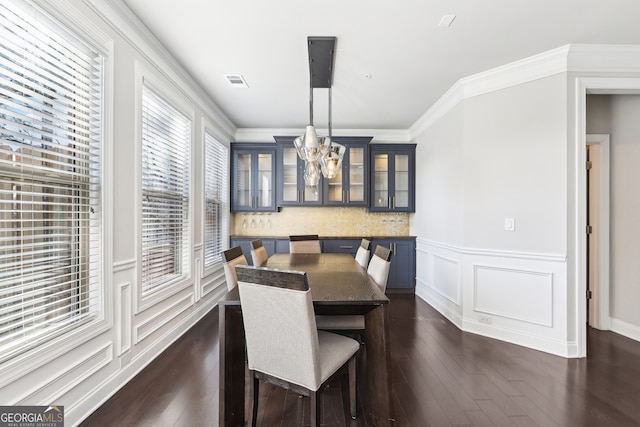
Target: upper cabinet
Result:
[[253, 177], [350, 186], [266, 176], [392, 178], [291, 190]]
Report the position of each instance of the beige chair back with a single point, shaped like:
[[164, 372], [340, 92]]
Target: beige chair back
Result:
[[232, 257], [280, 326], [305, 244], [379, 266], [258, 253], [362, 255]]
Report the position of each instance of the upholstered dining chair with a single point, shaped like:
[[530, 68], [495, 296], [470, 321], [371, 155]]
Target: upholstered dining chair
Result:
[[379, 266], [288, 350], [232, 258], [258, 253], [306, 244], [378, 271], [362, 255]]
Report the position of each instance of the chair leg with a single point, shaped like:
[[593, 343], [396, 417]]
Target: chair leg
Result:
[[256, 392], [352, 386], [315, 408]]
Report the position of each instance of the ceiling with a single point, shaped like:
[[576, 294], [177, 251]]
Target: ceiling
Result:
[[392, 61]]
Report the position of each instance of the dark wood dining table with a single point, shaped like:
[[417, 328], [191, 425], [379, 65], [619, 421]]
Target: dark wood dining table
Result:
[[338, 286]]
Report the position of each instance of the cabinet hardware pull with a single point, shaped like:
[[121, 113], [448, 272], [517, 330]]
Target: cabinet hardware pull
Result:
[[346, 247]]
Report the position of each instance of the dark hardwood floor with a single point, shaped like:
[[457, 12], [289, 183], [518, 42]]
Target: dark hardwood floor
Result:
[[441, 377]]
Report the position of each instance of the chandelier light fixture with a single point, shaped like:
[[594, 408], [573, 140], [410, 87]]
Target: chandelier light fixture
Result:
[[321, 155]]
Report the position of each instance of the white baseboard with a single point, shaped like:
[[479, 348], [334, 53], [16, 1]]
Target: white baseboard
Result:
[[626, 329], [102, 392]]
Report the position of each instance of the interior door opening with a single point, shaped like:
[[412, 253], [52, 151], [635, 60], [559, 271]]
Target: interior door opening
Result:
[[597, 298]]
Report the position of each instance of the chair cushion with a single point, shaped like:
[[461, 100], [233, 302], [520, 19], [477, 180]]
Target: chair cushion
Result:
[[334, 351]]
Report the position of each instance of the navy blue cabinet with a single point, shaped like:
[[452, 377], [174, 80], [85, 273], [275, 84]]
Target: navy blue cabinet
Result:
[[402, 273], [350, 187], [290, 187], [341, 246], [253, 177], [392, 185]]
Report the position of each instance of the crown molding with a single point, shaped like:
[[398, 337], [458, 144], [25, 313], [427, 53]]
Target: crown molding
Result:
[[605, 58], [125, 23], [266, 134], [525, 70], [581, 58]]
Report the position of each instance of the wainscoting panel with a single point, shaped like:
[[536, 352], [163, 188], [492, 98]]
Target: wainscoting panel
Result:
[[61, 381], [164, 317], [446, 277], [511, 296], [517, 294], [124, 317]]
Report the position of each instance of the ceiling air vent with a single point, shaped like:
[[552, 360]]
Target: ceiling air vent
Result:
[[236, 80]]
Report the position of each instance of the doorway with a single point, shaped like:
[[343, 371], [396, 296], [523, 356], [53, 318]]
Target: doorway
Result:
[[598, 231]]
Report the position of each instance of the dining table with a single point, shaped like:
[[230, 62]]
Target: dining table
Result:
[[339, 286]]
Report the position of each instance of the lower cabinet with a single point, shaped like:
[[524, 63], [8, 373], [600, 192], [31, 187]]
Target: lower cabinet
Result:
[[402, 273], [341, 246], [282, 246]]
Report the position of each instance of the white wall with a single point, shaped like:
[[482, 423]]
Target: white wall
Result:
[[84, 376], [522, 156], [515, 167], [496, 155], [617, 115]]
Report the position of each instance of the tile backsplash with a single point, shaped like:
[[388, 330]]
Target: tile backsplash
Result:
[[324, 221]]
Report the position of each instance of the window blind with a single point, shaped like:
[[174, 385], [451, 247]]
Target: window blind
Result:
[[166, 136], [50, 213], [216, 199]]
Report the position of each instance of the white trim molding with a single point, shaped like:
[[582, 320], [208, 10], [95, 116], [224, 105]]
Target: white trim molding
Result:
[[569, 58], [267, 134], [626, 329], [507, 295], [522, 295]]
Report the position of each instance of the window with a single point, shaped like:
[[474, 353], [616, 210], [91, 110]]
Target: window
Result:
[[166, 136], [216, 199], [50, 212]]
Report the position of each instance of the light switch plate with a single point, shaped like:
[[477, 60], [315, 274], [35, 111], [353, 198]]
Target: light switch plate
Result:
[[509, 224]]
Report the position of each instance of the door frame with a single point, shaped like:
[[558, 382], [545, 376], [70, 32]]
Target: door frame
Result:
[[577, 240], [601, 298]]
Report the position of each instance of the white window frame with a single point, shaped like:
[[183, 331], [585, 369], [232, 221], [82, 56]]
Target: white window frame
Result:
[[67, 22], [146, 78], [215, 265]]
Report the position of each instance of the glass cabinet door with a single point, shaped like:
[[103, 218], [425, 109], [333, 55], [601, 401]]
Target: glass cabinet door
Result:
[[393, 178], [335, 192], [381, 181], [253, 178], [243, 197], [265, 185], [291, 188], [289, 174], [356, 190], [401, 197]]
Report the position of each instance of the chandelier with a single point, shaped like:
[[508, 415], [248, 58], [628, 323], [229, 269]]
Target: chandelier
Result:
[[320, 154]]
